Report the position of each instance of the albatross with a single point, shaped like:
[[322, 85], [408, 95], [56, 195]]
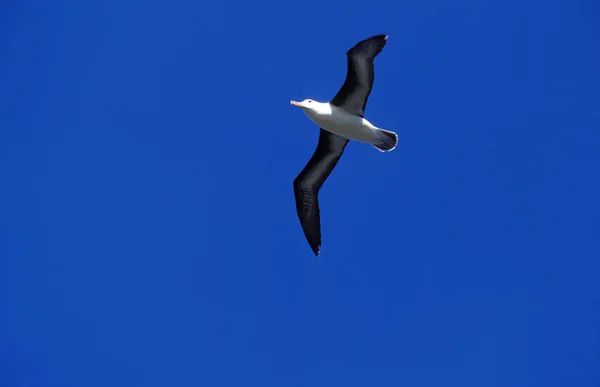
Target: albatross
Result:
[[340, 120]]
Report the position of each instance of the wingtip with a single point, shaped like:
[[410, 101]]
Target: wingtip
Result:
[[317, 251], [379, 36]]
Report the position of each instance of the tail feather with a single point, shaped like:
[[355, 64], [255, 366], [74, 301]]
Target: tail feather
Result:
[[386, 140]]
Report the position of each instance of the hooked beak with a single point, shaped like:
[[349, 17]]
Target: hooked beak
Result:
[[297, 104]]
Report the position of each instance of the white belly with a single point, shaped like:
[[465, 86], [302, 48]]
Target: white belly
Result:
[[346, 125]]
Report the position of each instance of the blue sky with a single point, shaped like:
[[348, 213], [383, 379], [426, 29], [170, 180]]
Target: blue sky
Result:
[[148, 229]]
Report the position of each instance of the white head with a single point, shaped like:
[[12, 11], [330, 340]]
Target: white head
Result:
[[312, 107]]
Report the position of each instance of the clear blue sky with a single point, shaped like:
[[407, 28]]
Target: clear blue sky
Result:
[[148, 229]]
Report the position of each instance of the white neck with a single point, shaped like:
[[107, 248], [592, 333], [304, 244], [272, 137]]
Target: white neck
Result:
[[319, 109]]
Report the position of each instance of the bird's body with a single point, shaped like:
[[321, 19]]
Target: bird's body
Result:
[[341, 120], [347, 125]]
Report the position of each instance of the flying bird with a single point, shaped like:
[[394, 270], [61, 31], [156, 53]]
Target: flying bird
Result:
[[340, 120]]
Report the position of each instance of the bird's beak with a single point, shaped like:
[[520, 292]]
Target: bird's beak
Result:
[[296, 103]]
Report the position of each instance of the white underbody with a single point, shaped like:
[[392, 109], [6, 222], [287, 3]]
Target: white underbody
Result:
[[337, 120]]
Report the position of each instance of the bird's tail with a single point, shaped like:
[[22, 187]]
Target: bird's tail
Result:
[[386, 140]]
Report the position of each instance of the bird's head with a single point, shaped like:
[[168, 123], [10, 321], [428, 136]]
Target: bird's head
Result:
[[312, 107]]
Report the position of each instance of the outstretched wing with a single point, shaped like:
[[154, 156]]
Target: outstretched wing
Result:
[[354, 93], [309, 181]]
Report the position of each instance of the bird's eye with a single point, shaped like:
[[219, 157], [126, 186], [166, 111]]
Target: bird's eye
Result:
[[309, 101]]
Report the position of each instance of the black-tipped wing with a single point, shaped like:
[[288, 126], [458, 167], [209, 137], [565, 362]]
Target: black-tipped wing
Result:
[[354, 93], [309, 181]]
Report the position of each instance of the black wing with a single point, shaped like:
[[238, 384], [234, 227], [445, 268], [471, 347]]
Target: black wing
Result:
[[355, 91], [309, 181]]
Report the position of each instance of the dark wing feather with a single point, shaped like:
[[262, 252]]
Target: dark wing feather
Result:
[[309, 181], [354, 93]]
